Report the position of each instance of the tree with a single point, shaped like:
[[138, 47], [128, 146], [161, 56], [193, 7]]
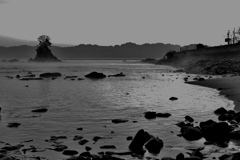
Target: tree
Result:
[[44, 40]]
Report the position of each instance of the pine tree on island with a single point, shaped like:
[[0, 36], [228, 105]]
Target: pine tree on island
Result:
[[44, 54]]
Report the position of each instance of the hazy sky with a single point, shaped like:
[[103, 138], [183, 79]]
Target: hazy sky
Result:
[[110, 22]]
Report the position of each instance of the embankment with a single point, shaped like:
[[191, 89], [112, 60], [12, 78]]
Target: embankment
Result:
[[204, 59]]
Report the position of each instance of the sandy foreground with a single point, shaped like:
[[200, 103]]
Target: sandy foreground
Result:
[[228, 86]]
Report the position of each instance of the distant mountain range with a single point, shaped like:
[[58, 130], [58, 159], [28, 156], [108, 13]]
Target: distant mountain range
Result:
[[124, 51]]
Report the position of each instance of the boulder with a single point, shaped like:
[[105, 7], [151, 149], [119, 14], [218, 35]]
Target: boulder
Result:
[[138, 141], [220, 111], [13, 125], [69, 152], [191, 133], [28, 79], [163, 115], [50, 75], [189, 119], [119, 120], [173, 98], [108, 147], [154, 145], [150, 115], [41, 110], [95, 75], [180, 156]]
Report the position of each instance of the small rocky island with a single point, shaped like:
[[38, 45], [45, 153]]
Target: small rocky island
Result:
[[44, 54]]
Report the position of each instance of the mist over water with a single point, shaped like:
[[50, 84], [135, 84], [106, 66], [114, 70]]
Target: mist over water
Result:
[[92, 104]]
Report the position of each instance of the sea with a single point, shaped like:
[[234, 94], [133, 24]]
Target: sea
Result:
[[93, 104]]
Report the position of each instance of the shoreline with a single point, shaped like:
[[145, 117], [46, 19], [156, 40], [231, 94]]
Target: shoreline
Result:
[[228, 87]]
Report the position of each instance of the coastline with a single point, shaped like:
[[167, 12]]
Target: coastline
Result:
[[228, 86]]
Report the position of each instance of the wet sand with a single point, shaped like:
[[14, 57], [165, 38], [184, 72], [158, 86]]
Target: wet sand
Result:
[[228, 86]]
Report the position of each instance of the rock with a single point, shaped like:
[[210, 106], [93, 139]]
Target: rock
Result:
[[95, 75], [71, 77], [108, 147], [96, 138], [197, 153], [80, 129], [117, 75], [129, 138], [192, 158], [119, 120], [154, 145], [41, 110], [13, 125], [163, 115], [29, 76], [44, 54], [77, 137], [138, 141], [12, 148], [54, 138], [85, 154], [216, 132], [17, 76], [222, 117], [180, 124], [173, 98], [167, 158], [191, 133], [201, 79], [60, 148], [80, 79], [70, 152], [220, 111], [189, 119], [180, 156], [150, 115], [83, 141], [28, 79], [49, 75], [235, 134], [88, 148], [234, 156]]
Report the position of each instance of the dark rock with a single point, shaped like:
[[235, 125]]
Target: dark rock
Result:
[[17, 76], [60, 148], [54, 138], [167, 158], [119, 120], [192, 158], [49, 75], [138, 141], [180, 124], [13, 125], [96, 138], [191, 133], [83, 141], [129, 138], [150, 115], [12, 148], [41, 110], [222, 117], [197, 153], [69, 152], [235, 134], [80, 79], [117, 75], [188, 118], [201, 79], [163, 115], [108, 147], [29, 76], [220, 111], [71, 77], [216, 132], [95, 75], [80, 129], [234, 156], [88, 148], [28, 79], [77, 137], [173, 98], [44, 54], [85, 154], [180, 156], [154, 145]]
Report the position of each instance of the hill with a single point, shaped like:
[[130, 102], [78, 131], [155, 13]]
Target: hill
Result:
[[124, 51]]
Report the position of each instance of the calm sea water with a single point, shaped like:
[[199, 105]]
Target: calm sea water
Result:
[[92, 104]]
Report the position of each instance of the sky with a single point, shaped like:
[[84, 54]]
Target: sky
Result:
[[111, 22]]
